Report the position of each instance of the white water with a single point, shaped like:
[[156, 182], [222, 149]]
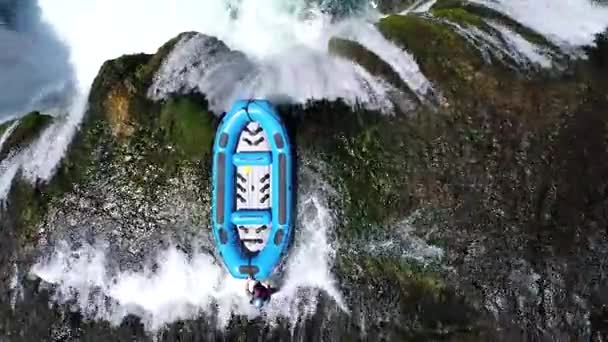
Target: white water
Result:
[[8, 170], [502, 44], [43, 156], [398, 58], [267, 32], [293, 76], [184, 287], [405, 243], [40, 160], [285, 41], [515, 42], [565, 22], [7, 133]]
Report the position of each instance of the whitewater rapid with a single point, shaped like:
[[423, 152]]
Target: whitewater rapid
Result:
[[277, 38], [569, 23], [285, 44], [181, 286]]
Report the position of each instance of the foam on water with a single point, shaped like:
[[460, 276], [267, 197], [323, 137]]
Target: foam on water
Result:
[[515, 42], [398, 58], [39, 161], [205, 64], [8, 170], [180, 286], [44, 155], [285, 43], [503, 44], [565, 22], [7, 133]]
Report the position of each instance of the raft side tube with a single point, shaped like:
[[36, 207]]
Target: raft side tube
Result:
[[223, 211]]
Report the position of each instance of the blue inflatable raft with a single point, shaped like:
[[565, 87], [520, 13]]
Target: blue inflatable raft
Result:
[[252, 189]]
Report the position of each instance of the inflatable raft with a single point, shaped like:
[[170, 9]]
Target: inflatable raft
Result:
[[252, 189]]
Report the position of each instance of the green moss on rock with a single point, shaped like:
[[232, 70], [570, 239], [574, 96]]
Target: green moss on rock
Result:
[[417, 302], [188, 125], [443, 56], [393, 6]]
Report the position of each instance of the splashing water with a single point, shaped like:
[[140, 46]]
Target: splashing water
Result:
[[8, 170], [39, 161], [7, 133], [503, 44], [285, 44], [516, 43], [44, 155], [179, 286], [565, 22], [399, 59]]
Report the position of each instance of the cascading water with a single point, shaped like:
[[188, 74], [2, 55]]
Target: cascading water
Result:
[[569, 22], [181, 286], [270, 41]]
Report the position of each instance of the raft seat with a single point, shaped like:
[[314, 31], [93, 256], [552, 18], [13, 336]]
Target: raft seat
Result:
[[252, 158], [251, 217]]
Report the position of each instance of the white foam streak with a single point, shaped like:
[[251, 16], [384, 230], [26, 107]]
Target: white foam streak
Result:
[[263, 27], [565, 22], [420, 6], [298, 75], [40, 159], [7, 133], [48, 150], [515, 42], [8, 170], [285, 42], [183, 287], [398, 58], [504, 44]]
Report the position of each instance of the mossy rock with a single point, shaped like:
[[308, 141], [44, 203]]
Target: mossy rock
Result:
[[416, 301], [415, 33], [28, 129], [119, 102], [459, 16], [443, 55], [376, 160], [26, 207], [188, 125]]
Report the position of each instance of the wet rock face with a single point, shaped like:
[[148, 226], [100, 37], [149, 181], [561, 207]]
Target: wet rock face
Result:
[[196, 61], [483, 217]]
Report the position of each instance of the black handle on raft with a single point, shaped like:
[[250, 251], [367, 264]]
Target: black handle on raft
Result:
[[246, 108]]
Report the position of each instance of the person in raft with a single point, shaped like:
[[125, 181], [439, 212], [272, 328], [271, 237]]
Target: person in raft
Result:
[[259, 292]]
